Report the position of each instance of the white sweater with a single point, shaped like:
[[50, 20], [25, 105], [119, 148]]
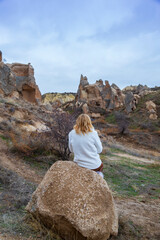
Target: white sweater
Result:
[[86, 148]]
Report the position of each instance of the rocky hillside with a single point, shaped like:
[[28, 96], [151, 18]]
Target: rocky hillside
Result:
[[135, 110], [103, 97], [57, 99]]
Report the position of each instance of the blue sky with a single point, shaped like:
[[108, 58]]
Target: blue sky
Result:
[[114, 40]]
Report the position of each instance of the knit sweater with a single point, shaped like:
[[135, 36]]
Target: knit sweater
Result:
[[86, 149]]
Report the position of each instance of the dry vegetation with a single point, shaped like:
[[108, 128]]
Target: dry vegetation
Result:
[[132, 172], [135, 187]]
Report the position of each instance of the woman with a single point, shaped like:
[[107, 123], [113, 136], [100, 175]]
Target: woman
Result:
[[85, 143]]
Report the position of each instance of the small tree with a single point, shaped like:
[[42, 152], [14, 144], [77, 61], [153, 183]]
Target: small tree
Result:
[[122, 122], [60, 127]]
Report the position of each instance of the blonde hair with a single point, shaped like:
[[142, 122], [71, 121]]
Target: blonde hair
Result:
[[83, 124]]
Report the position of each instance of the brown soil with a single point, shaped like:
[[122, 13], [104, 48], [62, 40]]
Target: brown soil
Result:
[[13, 162], [144, 216]]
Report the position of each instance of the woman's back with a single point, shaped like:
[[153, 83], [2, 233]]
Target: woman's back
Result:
[[86, 148]]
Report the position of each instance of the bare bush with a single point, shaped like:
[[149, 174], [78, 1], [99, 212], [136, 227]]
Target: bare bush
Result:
[[60, 128], [122, 122], [53, 141], [150, 126]]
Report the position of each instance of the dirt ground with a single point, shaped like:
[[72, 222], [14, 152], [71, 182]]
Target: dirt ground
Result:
[[13, 162], [138, 219]]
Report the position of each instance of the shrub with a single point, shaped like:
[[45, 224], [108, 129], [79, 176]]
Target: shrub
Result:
[[60, 128], [54, 140], [150, 126], [122, 121]]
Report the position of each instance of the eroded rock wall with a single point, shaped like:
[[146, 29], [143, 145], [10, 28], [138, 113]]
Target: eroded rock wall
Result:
[[99, 94], [17, 80]]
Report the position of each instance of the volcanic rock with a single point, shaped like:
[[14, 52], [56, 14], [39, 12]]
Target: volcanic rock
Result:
[[99, 95], [85, 108], [151, 107], [7, 80], [57, 99], [130, 102], [74, 202], [17, 80]]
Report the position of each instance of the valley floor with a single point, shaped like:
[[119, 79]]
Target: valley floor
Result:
[[134, 181]]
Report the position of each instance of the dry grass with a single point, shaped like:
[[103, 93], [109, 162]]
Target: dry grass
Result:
[[37, 226]]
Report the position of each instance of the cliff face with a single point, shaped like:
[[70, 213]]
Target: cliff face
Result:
[[17, 80], [109, 97], [99, 94]]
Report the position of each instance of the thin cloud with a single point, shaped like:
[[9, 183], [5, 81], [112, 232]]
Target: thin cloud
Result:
[[115, 40]]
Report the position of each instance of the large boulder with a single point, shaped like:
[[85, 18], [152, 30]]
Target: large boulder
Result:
[[75, 202], [150, 105]]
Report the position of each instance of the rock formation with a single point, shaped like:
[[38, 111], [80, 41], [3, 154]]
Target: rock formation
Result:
[[136, 89], [17, 80], [99, 95], [151, 107], [130, 102], [7, 80], [108, 97], [75, 202], [57, 99]]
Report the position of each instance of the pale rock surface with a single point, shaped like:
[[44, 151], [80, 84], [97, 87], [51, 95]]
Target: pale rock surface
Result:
[[1, 119], [28, 127], [36, 127], [153, 116], [15, 95], [129, 89], [40, 127], [85, 108], [95, 115], [151, 107], [58, 98], [18, 115], [136, 97], [75, 202]]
